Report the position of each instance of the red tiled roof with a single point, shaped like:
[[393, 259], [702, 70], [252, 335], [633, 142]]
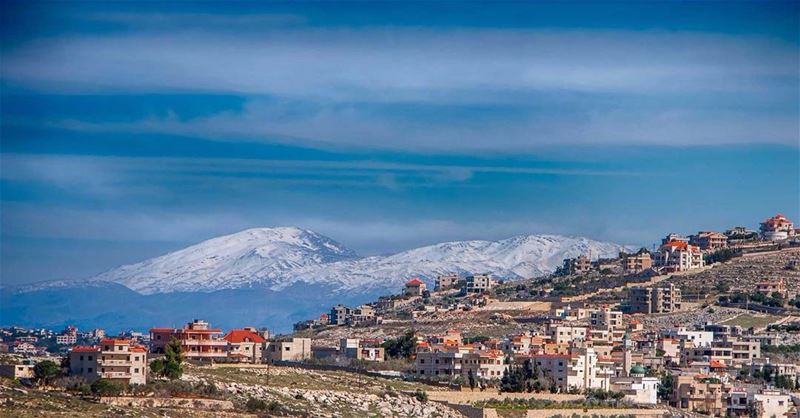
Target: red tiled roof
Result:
[[138, 349], [241, 335], [414, 282], [162, 329], [115, 341], [85, 349]]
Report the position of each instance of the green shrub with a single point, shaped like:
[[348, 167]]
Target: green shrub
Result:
[[103, 387]]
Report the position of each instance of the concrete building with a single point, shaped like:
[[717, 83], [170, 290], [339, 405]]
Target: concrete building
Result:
[[709, 240], [651, 300], [578, 370], [563, 334], [700, 394], [115, 359], [577, 265], [446, 282], [777, 228], [362, 315], [768, 287], [414, 287], [339, 315], [245, 345], [772, 403], [296, 349], [636, 263], [478, 283], [354, 348], [22, 370], [198, 341], [679, 256]]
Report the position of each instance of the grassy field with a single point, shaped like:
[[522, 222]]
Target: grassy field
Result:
[[754, 321]]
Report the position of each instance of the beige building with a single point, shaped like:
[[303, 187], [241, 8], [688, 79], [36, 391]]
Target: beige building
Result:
[[198, 340], [772, 403], [709, 240], [701, 394], [580, 370], [296, 349], [563, 334], [445, 282], [636, 263], [651, 300], [355, 348], [115, 359], [777, 228], [679, 256]]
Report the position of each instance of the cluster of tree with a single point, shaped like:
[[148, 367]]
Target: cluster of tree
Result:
[[769, 375], [527, 377], [171, 366], [401, 347], [665, 387], [774, 300], [790, 327], [720, 255], [783, 349]]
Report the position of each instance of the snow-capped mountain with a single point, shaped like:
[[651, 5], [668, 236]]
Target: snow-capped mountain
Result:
[[277, 258]]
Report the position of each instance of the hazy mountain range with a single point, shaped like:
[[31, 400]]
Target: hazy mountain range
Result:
[[271, 277]]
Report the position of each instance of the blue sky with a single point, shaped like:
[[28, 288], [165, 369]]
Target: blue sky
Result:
[[132, 130]]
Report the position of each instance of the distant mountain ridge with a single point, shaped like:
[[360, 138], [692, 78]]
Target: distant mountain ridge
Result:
[[280, 257], [271, 277]]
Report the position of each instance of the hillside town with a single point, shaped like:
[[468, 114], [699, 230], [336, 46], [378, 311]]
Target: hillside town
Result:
[[687, 329]]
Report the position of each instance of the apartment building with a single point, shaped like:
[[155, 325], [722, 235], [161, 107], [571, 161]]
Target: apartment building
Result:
[[198, 341], [789, 370], [563, 334], [772, 403], [606, 318], [636, 263], [700, 393], [651, 300], [445, 362], [581, 369], [709, 240], [768, 287], [777, 228], [577, 265], [295, 349], [445, 282], [478, 283], [362, 315], [245, 345], [114, 359], [679, 256]]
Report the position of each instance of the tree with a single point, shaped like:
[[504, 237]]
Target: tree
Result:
[[46, 371], [173, 359], [157, 367], [471, 378], [401, 347], [665, 387], [103, 387]]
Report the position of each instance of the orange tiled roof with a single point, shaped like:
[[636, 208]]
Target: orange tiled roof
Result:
[[139, 349], [115, 341], [414, 282]]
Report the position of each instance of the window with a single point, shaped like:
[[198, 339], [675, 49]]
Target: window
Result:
[[90, 358], [288, 348], [136, 370], [90, 369], [81, 358]]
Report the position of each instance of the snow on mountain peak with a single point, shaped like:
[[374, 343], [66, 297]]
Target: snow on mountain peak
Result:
[[283, 256]]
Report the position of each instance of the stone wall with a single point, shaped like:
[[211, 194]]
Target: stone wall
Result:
[[194, 403]]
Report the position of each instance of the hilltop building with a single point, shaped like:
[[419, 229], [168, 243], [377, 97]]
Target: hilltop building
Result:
[[115, 359], [777, 228], [198, 340], [577, 265], [679, 256], [636, 263], [445, 282], [414, 287], [651, 300], [245, 345], [478, 283], [709, 240]]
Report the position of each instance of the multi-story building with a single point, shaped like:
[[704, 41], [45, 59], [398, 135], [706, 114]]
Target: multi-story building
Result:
[[777, 228], [245, 345], [651, 300], [445, 282], [414, 287], [768, 287], [606, 318], [700, 393], [577, 265], [679, 256], [578, 370], [114, 359], [478, 283], [772, 403], [23, 370], [562, 334], [339, 315], [198, 341], [295, 349], [362, 315], [636, 263], [709, 240], [674, 237]]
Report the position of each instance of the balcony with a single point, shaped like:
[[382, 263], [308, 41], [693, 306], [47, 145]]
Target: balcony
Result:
[[115, 375], [197, 343], [116, 363]]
